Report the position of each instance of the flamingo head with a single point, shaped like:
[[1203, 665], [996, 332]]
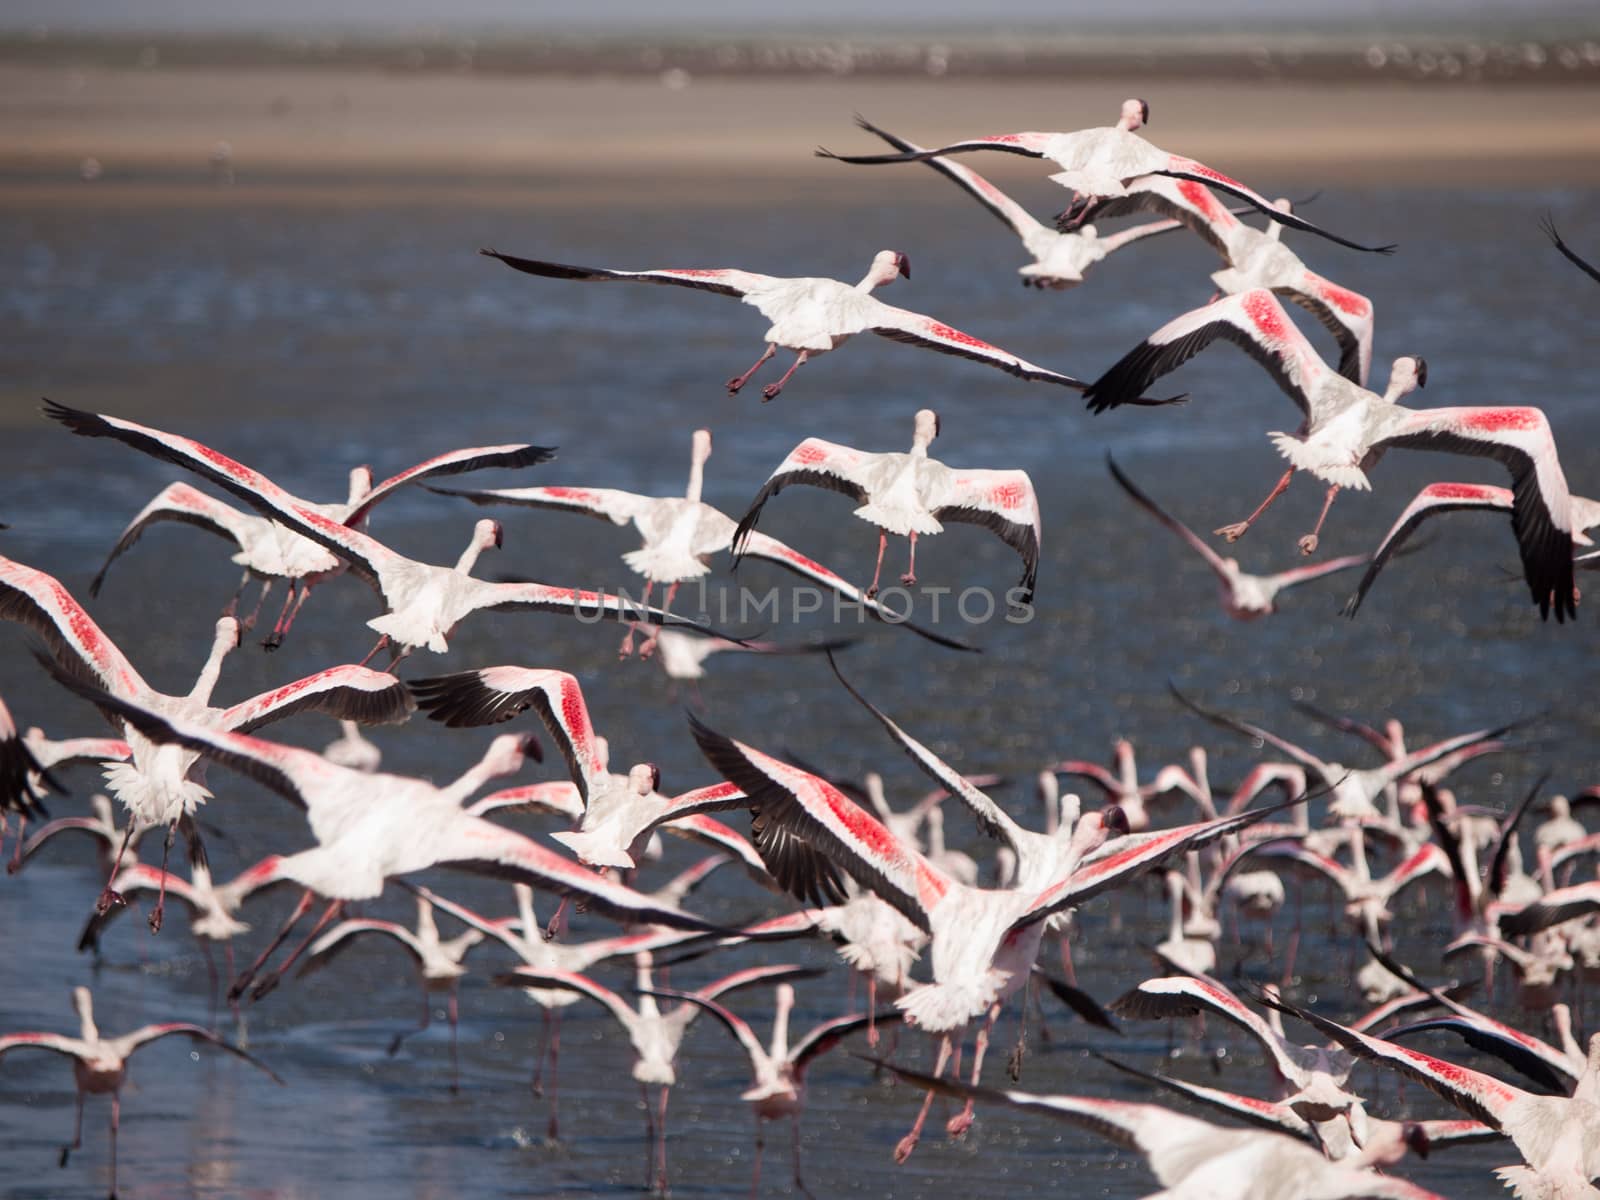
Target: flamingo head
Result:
[[360, 484], [886, 266], [488, 535], [701, 445], [927, 428], [229, 633], [1415, 1139], [1409, 373], [644, 778], [1115, 821], [1135, 113], [1559, 807], [1283, 204], [508, 752]]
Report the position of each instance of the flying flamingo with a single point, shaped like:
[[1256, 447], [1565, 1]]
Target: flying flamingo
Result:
[[20, 780], [1244, 596], [1347, 428], [983, 942], [100, 1065], [370, 827], [1557, 1136], [1060, 259], [353, 750], [683, 655], [101, 826], [656, 1036], [778, 1071], [1438, 498], [163, 785], [440, 964], [422, 602], [908, 494], [1099, 163], [268, 551], [812, 315], [1196, 1160], [681, 533]]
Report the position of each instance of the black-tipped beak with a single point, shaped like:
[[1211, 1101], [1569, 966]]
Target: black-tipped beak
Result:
[[1144, 112], [1422, 372], [499, 537], [655, 777], [904, 263], [532, 748], [1116, 821]]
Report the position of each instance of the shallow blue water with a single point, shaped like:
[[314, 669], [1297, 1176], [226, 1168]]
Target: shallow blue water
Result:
[[305, 341]]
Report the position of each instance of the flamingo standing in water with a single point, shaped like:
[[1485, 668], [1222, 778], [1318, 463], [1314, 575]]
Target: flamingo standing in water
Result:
[[269, 551], [163, 785], [100, 1065], [778, 1071], [1100, 163], [910, 494], [681, 533], [423, 603], [812, 315], [1347, 428], [1244, 596]]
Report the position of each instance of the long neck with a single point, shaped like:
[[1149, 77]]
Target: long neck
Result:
[[643, 979], [1358, 854], [207, 679], [469, 557], [1175, 894], [780, 1024], [427, 931], [935, 834], [525, 911], [697, 470], [84, 1003]]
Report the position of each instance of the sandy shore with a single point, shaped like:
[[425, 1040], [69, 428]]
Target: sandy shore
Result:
[[372, 137]]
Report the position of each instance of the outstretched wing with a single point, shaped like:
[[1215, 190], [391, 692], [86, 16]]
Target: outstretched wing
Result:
[[813, 462], [723, 281], [1004, 503], [179, 502], [1431, 501], [454, 462], [606, 504], [348, 693]]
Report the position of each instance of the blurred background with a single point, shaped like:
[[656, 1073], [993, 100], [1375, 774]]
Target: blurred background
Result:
[[257, 225]]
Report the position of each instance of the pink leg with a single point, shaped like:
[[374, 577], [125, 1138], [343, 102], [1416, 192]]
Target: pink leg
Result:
[[633, 626], [544, 1047], [962, 1121], [909, 1142], [649, 647], [761, 1144], [794, 1142], [1308, 544], [557, 921], [161, 891], [275, 638], [16, 851], [770, 392], [661, 1143], [427, 1017], [1014, 1063], [883, 541], [910, 576], [373, 653], [271, 981], [738, 381], [553, 1130], [1066, 958], [116, 1122], [77, 1131], [1234, 532], [241, 983], [249, 623], [453, 1010], [649, 1133], [872, 1007], [108, 897]]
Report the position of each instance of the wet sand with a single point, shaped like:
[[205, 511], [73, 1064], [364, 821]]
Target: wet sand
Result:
[[369, 137]]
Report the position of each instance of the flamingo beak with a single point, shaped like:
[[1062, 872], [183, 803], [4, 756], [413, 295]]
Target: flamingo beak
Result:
[[1144, 112], [1116, 821], [499, 536], [532, 748], [1422, 372], [655, 777], [903, 264]]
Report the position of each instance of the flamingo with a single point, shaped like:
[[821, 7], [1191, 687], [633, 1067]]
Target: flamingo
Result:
[[440, 964], [269, 551], [1196, 1160], [352, 750], [683, 655], [617, 811], [100, 1065], [680, 536], [101, 826], [370, 827], [422, 602], [983, 942], [778, 1071], [1438, 498], [1347, 428], [164, 785], [656, 1036], [1354, 790], [912, 494], [813, 315], [1244, 596], [1557, 1136], [1099, 163], [1060, 259]]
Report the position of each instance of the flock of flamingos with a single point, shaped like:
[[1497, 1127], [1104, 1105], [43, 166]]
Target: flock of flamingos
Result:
[[942, 944]]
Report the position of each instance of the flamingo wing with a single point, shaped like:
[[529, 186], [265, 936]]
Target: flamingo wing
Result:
[[1431, 501], [818, 464], [1030, 144], [180, 502], [454, 462], [347, 693], [1004, 503], [1015, 217], [77, 645], [129, 1042], [917, 329], [723, 281], [605, 504]]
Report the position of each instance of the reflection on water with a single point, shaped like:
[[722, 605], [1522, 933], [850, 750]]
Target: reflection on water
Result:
[[306, 342]]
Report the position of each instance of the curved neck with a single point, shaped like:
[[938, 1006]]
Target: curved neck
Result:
[[469, 556], [207, 679]]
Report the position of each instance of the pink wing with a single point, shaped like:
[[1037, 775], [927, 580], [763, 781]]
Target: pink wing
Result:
[[347, 693]]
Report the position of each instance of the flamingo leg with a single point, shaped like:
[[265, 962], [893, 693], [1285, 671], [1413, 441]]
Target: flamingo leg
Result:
[[661, 1143], [962, 1121], [794, 1142], [557, 922], [649, 1132], [536, 1083], [453, 1011], [553, 1130], [244, 981], [761, 1143], [116, 1122], [738, 381], [249, 623], [275, 638], [1014, 1063], [77, 1131], [872, 1007], [427, 1016], [1308, 544], [910, 577], [335, 907], [15, 864], [883, 542], [770, 392], [1234, 532], [161, 892], [649, 647], [633, 626], [373, 653], [109, 896], [909, 1142]]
